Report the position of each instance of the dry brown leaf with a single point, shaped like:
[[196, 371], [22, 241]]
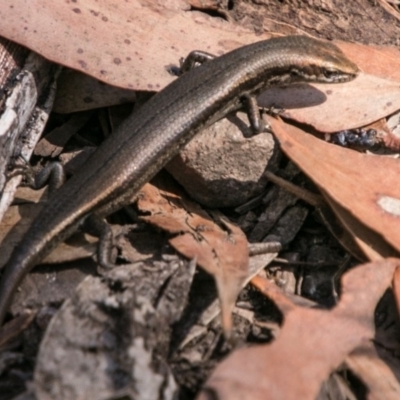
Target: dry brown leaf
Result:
[[52, 144], [371, 244], [374, 94], [117, 41], [363, 184], [79, 92], [126, 44], [381, 61], [331, 108], [380, 375], [221, 252], [312, 342], [130, 44], [13, 328], [396, 288]]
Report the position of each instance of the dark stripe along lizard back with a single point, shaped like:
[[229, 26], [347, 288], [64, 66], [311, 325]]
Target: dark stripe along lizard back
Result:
[[151, 136]]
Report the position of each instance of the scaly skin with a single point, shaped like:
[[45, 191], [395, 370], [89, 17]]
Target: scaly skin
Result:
[[155, 133]]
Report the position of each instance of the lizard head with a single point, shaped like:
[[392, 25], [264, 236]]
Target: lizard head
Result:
[[322, 61]]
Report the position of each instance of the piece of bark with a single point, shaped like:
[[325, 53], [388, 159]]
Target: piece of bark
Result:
[[111, 339], [27, 89]]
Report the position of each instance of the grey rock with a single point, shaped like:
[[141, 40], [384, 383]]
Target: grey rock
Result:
[[223, 166]]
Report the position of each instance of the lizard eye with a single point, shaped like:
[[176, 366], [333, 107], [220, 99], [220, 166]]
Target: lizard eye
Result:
[[294, 73], [329, 74]]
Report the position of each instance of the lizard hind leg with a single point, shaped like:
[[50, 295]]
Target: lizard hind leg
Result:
[[98, 227]]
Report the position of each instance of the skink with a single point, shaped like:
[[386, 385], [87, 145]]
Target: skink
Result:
[[155, 133]]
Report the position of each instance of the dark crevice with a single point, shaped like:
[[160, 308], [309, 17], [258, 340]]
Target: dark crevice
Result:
[[211, 12]]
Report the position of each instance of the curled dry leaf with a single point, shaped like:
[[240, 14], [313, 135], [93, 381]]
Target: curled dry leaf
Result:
[[221, 251], [312, 342], [363, 184]]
